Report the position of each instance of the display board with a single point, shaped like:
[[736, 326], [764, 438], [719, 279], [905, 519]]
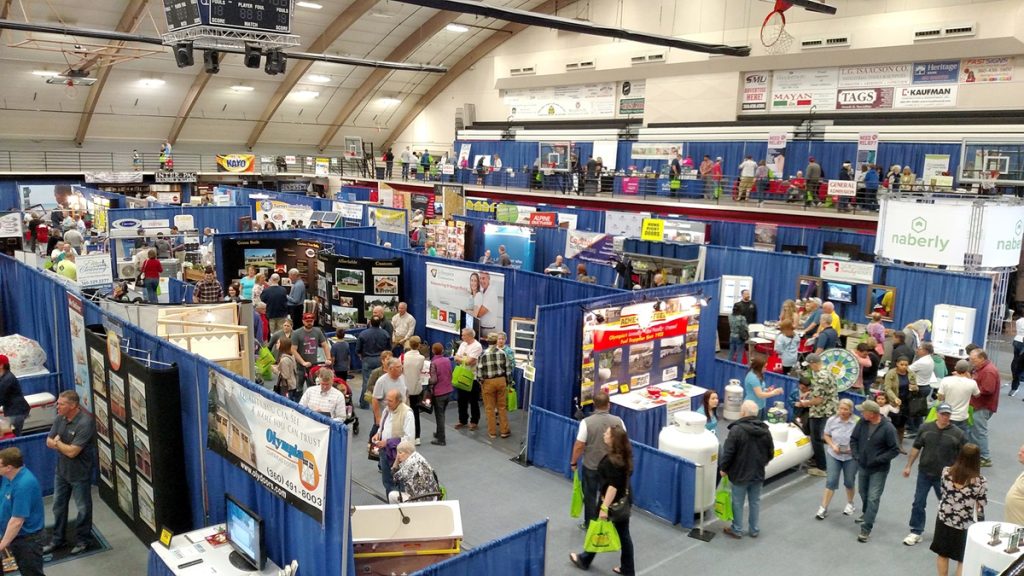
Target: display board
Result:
[[626, 224], [454, 293], [731, 288], [11, 225], [638, 345], [271, 255], [79, 353], [451, 238], [137, 411], [351, 287], [517, 240], [282, 213], [351, 213]]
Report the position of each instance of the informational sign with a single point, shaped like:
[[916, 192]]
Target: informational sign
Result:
[[867, 148], [987, 70], [801, 89], [842, 188], [755, 91], [934, 165], [513, 213], [656, 151], [236, 163], [79, 351], [94, 270], [11, 225], [937, 72], [653, 229], [392, 220], [1001, 232], [282, 213], [846, 271], [589, 246], [632, 97], [452, 292], [878, 75], [943, 96], [323, 168], [776, 158], [282, 449], [582, 100], [626, 224], [922, 233], [864, 98], [544, 219], [163, 177]]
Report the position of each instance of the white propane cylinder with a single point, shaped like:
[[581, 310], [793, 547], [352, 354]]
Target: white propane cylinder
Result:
[[733, 400], [689, 439], [792, 447]]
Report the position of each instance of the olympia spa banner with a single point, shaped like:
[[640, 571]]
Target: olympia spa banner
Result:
[[590, 246], [454, 291], [282, 449], [638, 345]]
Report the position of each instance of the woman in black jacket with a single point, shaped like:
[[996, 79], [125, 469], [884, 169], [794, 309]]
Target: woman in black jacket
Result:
[[614, 471]]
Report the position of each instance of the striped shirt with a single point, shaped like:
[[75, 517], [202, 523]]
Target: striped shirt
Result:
[[330, 403]]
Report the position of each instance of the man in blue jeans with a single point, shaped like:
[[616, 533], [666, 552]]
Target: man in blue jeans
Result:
[[874, 447], [73, 437], [369, 344], [747, 450], [938, 443], [21, 513], [986, 402]]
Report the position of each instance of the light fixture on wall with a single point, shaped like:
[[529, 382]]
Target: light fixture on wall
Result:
[[46, 73], [457, 28], [390, 101]]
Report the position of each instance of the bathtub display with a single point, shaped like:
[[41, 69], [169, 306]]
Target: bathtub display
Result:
[[404, 538]]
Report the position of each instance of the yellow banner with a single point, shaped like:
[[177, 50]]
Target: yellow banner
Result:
[[653, 229], [236, 163]]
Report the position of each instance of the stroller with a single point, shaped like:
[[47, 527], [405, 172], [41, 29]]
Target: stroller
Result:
[[351, 419]]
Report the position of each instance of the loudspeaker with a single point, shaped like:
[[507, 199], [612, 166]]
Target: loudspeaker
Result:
[[211, 61], [276, 62], [252, 56], [183, 55]]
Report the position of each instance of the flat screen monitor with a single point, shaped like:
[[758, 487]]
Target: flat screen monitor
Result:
[[245, 535], [794, 249], [840, 292], [840, 249]]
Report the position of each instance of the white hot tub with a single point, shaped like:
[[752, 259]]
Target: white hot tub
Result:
[[397, 538]]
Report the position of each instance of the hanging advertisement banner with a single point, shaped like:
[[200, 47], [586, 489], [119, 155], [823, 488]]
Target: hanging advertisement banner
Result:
[[624, 223], [452, 291], [632, 97], [867, 147], [655, 151], [776, 158], [11, 225], [923, 233], [79, 352], [926, 96], [864, 98], [589, 246], [938, 72], [113, 177], [561, 101], [987, 70], [802, 89], [323, 167], [755, 91], [391, 220], [282, 213], [236, 163], [280, 448], [880, 75], [1001, 232]]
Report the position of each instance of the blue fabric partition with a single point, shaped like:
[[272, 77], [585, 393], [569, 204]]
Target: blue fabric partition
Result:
[[521, 552], [724, 370], [355, 194], [674, 250], [670, 497], [178, 291], [815, 238], [775, 275], [36, 384], [733, 234], [41, 460], [220, 218], [918, 290]]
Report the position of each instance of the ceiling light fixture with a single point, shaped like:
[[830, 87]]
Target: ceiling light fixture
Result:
[[152, 82], [318, 78], [305, 94], [242, 88], [46, 73], [310, 5], [390, 101], [458, 28]]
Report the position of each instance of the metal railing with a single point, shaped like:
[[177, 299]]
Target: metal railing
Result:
[[72, 162]]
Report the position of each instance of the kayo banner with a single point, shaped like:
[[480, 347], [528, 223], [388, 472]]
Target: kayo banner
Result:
[[589, 246], [79, 354], [236, 163], [776, 158], [280, 448], [453, 291]]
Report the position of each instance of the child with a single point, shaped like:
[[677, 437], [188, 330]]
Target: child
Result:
[[885, 409], [801, 415]]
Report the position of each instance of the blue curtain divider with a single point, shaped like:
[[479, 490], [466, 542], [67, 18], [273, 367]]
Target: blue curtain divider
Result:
[[178, 291], [38, 384], [775, 275], [671, 497], [41, 460], [918, 290], [815, 238], [521, 552], [724, 370]]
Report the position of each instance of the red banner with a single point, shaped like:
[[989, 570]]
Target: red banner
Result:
[[544, 219], [627, 331]]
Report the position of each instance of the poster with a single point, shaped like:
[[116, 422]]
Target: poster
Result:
[[626, 224], [580, 100], [464, 150], [867, 148], [776, 158], [926, 96], [236, 163], [11, 225], [638, 345], [589, 246], [452, 291], [79, 352], [449, 238], [938, 72], [280, 448], [794, 90], [94, 270], [765, 235], [656, 151], [517, 240], [987, 70], [391, 220], [934, 165], [632, 95], [755, 91], [282, 213], [349, 288], [322, 168], [51, 196]]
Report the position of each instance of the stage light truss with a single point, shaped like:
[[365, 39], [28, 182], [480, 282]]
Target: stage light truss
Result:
[[211, 38]]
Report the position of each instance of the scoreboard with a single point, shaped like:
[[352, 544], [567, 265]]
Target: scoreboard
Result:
[[270, 16]]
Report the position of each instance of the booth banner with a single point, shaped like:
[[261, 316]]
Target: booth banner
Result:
[[655, 151], [543, 219], [755, 91], [776, 158], [842, 188], [282, 213], [513, 213], [846, 271], [934, 165], [938, 72], [653, 230], [391, 220], [987, 69], [464, 151], [926, 96], [590, 246], [631, 185], [165, 177], [79, 350], [803, 89], [113, 177], [236, 163], [624, 223], [449, 238], [878, 75], [1001, 232], [353, 287], [684, 231], [168, 197], [923, 233], [867, 148], [453, 291], [424, 202], [322, 168], [11, 225], [280, 448], [94, 270], [638, 345], [518, 242]]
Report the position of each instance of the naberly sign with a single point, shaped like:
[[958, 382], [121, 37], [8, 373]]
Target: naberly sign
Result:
[[924, 233]]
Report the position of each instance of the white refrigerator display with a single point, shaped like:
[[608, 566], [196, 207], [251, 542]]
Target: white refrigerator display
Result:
[[952, 329], [731, 287]]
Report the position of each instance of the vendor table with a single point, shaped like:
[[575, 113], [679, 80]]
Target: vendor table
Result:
[[644, 418], [193, 546]]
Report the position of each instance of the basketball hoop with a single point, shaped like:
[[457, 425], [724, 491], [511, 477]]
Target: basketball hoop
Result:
[[774, 37]]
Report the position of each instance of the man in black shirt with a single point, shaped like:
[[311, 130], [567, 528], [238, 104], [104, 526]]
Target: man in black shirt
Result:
[[11, 398], [276, 298], [73, 437], [370, 343], [747, 307]]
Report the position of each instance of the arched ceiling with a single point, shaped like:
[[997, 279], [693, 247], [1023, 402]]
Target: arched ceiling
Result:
[[191, 106]]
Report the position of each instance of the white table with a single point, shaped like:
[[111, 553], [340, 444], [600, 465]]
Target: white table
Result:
[[674, 401], [192, 546]]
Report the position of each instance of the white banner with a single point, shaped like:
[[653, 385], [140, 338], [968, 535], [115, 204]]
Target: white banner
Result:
[[842, 188], [452, 292], [656, 150], [94, 270], [926, 96], [348, 210], [282, 213], [280, 448], [923, 233], [802, 89], [934, 165], [847, 271], [755, 91], [987, 69], [874, 76], [79, 352], [113, 177], [624, 223], [11, 225], [561, 101], [1001, 231], [867, 148], [391, 220]]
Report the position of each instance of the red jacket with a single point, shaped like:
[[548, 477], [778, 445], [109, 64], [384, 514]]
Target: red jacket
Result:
[[988, 381], [151, 268]]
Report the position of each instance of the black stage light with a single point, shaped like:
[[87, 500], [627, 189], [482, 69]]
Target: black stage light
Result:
[[183, 54], [252, 56], [276, 62], [211, 61]]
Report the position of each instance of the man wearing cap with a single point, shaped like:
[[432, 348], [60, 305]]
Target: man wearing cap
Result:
[[874, 446], [938, 444], [12, 400], [823, 403], [305, 341], [957, 391]]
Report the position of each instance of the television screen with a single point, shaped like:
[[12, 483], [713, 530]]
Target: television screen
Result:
[[245, 535], [840, 292], [794, 249], [260, 257], [840, 249]]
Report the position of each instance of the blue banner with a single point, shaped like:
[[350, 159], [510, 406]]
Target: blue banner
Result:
[[938, 72], [590, 246], [518, 242]]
